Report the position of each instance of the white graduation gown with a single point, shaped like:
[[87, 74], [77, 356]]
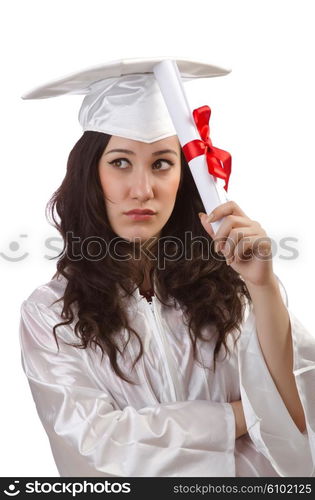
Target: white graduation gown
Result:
[[177, 421]]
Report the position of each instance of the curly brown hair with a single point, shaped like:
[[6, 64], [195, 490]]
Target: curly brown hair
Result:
[[209, 291]]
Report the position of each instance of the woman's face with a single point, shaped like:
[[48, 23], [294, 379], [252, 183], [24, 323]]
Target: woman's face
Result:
[[137, 175]]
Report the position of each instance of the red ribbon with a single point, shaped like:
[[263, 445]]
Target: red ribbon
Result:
[[219, 162]]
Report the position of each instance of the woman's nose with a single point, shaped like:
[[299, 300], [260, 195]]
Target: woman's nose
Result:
[[141, 186]]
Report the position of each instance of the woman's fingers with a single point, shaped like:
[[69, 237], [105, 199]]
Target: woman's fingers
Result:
[[250, 246], [228, 208], [231, 230]]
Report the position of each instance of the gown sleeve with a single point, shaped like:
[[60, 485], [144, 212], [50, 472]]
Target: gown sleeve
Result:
[[89, 436], [269, 424]]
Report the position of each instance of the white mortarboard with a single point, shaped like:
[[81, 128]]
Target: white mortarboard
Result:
[[123, 97], [144, 99]]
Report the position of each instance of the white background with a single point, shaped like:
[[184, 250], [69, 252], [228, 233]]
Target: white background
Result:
[[262, 113]]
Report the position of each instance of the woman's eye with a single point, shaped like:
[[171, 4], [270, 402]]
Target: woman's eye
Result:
[[118, 162], [158, 164], [167, 163]]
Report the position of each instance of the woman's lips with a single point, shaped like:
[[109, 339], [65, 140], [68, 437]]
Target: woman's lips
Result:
[[135, 216]]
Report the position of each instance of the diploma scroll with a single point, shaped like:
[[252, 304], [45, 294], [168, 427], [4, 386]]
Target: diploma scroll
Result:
[[210, 188]]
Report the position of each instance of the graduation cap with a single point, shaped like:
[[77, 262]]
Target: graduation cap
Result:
[[144, 99]]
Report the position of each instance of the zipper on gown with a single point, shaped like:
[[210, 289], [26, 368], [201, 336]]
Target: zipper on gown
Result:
[[175, 388]]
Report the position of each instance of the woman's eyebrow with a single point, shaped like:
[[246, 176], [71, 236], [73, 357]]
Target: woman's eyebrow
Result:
[[120, 151], [164, 151], [128, 151]]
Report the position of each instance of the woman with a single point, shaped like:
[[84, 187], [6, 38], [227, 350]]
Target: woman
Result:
[[174, 355]]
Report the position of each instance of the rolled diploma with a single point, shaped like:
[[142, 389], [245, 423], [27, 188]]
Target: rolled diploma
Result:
[[169, 80]]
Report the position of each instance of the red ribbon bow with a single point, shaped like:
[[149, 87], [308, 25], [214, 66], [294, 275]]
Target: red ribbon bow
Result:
[[219, 162]]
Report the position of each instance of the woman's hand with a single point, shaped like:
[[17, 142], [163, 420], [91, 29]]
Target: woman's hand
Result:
[[243, 242], [240, 422]]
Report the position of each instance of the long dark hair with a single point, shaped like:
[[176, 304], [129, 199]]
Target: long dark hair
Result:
[[209, 291]]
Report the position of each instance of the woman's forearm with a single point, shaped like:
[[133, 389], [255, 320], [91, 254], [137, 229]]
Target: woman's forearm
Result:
[[275, 339], [240, 422]]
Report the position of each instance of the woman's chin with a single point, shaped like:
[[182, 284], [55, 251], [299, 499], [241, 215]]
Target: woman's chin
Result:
[[140, 237]]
